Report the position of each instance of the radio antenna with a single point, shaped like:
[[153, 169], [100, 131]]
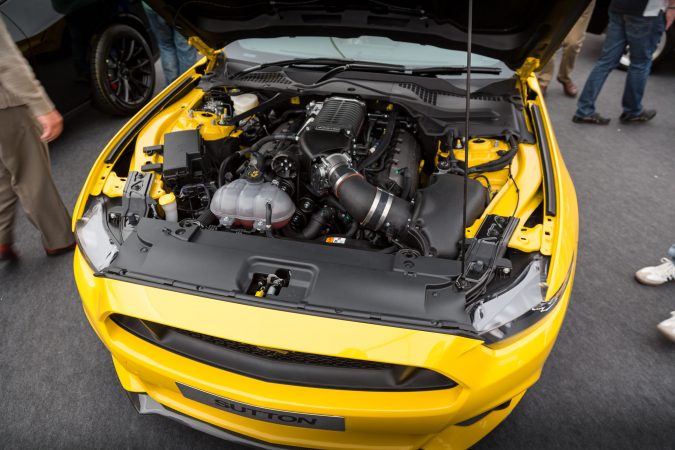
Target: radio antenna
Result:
[[465, 138]]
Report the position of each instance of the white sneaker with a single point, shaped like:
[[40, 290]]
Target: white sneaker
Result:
[[655, 275], [667, 327]]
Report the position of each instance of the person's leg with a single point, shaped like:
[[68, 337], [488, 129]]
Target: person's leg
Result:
[[642, 34], [615, 42], [7, 201], [187, 54], [656, 275], [26, 159], [167, 51], [546, 73], [573, 43], [667, 327]]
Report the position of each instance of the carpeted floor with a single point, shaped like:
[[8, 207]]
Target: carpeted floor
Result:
[[609, 383]]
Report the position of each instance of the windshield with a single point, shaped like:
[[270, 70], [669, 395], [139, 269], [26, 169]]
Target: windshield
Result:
[[364, 48]]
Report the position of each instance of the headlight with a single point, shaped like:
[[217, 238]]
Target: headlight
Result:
[[95, 244], [519, 307]]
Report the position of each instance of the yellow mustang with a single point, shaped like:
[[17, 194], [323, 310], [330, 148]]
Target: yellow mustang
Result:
[[301, 243]]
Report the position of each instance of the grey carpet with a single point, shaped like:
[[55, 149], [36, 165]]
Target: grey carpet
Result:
[[610, 380]]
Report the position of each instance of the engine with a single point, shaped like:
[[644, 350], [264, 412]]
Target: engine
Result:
[[335, 170]]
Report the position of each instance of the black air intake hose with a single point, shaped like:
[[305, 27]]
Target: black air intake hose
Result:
[[369, 205]]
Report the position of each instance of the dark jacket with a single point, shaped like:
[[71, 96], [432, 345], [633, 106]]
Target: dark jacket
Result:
[[629, 7]]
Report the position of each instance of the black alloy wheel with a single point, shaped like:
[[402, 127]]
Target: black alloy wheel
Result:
[[123, 70]]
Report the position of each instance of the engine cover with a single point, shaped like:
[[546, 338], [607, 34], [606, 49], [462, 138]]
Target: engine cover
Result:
[[243, 202], [335, 127]]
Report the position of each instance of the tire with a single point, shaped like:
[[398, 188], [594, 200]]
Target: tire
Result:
[[122, 70], [663, 48]]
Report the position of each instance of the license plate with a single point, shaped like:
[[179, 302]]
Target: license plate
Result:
[[293, 419]]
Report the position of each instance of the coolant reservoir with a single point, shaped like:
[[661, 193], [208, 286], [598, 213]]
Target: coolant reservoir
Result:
[[243, 103], [243, 202]]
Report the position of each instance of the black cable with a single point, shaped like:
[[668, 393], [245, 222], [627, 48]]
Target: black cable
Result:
[[515, 210], [489, 186]]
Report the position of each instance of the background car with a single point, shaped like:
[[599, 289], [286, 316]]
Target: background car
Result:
[[598, 25], [86, 49]]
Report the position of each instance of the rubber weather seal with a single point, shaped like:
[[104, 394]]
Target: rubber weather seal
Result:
[[545, 151]]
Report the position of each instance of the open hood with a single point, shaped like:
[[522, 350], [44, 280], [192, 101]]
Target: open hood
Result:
[[508, 30]]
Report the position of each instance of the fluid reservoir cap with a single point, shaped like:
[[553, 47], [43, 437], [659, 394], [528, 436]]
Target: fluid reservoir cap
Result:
[[167, 198], [243, 103]]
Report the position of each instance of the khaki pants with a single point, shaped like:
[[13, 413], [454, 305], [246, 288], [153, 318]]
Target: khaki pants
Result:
[[25, 175], [570, 50]]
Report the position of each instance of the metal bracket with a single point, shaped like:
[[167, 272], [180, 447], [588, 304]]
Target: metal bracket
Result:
[[211, 54]]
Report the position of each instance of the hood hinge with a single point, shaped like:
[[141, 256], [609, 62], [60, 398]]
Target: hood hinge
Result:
[[211, 54], [530, 65]]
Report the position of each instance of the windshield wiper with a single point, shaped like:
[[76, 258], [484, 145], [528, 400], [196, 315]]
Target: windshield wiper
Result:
[[333, 63], [454, 70]]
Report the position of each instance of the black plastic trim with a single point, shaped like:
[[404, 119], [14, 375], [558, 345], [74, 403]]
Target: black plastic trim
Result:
[[140, 122], [384, 289], [471, 421], [550, 197], [236, 357]]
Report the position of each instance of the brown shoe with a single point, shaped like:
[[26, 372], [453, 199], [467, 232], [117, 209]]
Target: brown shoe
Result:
[[569, 87], [60, 251], [7, 253]]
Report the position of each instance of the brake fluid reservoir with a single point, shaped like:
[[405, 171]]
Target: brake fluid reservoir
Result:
[[243, 103], [243, 202]]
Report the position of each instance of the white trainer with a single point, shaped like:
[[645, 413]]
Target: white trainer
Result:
[[656, 275], [667, 327]]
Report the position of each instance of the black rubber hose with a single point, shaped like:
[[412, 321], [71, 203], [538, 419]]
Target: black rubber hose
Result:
[[316, 223], [353, 228], [223, 165], [367, 204], [207, 218]]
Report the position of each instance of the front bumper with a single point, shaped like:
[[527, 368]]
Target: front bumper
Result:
[[488, 377]]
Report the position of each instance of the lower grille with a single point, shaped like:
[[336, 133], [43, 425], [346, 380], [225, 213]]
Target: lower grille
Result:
[[284, 366], [287, 355]]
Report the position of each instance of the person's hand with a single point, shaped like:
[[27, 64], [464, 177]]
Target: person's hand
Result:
[[670, 17], [52, 125]]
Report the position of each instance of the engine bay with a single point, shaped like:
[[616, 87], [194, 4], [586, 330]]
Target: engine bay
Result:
[[335, 170]]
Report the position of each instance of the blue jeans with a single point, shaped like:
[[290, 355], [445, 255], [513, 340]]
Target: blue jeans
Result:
[[642, 34], [176, 54], [671, 253]]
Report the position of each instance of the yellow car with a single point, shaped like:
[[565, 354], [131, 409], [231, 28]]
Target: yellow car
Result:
[[287, 249]]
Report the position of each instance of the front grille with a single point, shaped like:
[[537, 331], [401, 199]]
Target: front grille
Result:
[[285, 366], [287, 355], [266, 78]]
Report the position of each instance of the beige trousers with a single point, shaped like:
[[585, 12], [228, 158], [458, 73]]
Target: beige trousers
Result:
[[570, 50], [25, 175]]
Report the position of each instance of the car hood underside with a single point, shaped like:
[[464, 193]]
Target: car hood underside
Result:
[[508, 30]]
